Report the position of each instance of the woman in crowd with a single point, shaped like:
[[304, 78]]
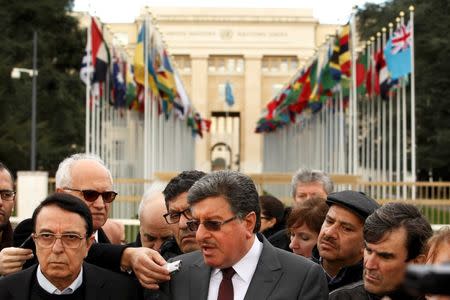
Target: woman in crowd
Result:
[[439, 253], [304, 225], [272, 215]]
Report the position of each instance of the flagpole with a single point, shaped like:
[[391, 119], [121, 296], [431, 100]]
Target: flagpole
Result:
[[88, 85], [383, 125], [355, 100], [390, 155], [372, 112], [146, 100], [404, 126], [413, 105], [378, 138]]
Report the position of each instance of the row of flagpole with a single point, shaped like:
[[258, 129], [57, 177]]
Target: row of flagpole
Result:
[[138, 142], [350, 131]]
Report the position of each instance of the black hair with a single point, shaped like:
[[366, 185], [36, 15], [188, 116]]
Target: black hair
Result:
[[68, 203]]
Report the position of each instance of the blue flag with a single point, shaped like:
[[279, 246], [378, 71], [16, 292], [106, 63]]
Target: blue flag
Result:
[[229, 98], [398, 52]]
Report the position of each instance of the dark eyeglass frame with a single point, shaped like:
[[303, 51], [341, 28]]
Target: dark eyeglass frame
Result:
[[65, 239], [92, 195], [177, 214], [11, 197], [210, 225]]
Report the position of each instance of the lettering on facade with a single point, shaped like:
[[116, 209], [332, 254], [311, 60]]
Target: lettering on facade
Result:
[[228, 34]]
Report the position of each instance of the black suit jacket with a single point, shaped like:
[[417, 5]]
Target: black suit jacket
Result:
[[102, 254], [99, 284]]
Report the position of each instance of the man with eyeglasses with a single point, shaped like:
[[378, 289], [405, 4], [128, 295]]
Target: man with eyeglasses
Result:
[[11, 258], [86, 177], [178, 213], [62, 232], [234, 262]]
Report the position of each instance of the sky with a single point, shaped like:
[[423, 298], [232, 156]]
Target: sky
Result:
[[125, 11]]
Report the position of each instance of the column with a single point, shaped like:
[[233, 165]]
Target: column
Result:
[[251, 151], [32, 188], [199, 96]]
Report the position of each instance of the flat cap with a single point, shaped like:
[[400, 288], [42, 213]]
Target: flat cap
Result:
[[358, 202]]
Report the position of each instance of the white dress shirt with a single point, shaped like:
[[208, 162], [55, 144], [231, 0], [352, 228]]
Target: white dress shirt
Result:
[[51, 289], [245, 268]]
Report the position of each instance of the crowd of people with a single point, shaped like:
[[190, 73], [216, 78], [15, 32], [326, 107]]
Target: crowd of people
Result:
[[232, 243]]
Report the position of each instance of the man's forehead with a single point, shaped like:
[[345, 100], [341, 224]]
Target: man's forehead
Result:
[[310, 186], [179, 203], [393, 241], [344, 215], [5, 178]]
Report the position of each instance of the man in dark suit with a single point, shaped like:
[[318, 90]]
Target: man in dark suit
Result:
[[62, 231], [87, 177], [234, 262]]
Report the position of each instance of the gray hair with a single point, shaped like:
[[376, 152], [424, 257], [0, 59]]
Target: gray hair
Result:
[[310, 176], [155, 188], [237, 189], [63, 177]]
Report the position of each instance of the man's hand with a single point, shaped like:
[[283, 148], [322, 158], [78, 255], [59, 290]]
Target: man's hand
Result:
[[147, 264], [12, 259]]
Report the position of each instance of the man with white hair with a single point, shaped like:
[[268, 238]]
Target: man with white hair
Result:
[[153, 229], [87, 177]]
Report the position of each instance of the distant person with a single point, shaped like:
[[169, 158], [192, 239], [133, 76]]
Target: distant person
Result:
[[272, 215], [234, 262], [304, 225], [305, 184], [11, 258], [308, 183], [341, 243], [62, 232], [153, 228], [395, 236]]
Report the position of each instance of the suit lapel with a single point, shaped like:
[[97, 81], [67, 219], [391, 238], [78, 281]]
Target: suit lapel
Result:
[[199, 276], [93, 284], [267, 274]]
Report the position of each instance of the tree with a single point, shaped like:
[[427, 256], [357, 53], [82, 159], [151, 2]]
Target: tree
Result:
[[432, 64], [60, 93]]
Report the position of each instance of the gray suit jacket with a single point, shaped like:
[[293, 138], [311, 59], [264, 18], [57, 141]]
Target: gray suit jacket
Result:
[[99, 284], [279, 275]]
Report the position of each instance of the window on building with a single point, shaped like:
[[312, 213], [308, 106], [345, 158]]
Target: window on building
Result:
[[219, 64], [279, 64], [183, 63]]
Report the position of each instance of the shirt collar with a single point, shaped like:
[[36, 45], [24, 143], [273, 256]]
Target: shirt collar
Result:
[[51, 289], [246, 266]]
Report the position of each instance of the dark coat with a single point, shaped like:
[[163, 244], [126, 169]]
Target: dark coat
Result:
[[99, 284]]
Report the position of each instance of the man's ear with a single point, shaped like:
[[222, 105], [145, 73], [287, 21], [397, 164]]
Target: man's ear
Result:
[[89, 241], [250, 222], [420, 259]]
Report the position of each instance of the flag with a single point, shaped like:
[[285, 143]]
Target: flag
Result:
[[398, 52], [229, 98], [118, 80], [382, 79], [182, 98], [344, 52], [100, 53], [85, 69], [361, 73], [335, 67]]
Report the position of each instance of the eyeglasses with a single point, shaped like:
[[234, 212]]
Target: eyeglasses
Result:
[[210, 225], [174, 217], [68, 240], [7, 195], [92, 195]]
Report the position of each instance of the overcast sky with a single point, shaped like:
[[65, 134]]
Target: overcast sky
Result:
[[110, 11]]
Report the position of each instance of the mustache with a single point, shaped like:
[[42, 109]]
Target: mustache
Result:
[[373, 274]]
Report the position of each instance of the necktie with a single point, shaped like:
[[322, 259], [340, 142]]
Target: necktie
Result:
[[226, 286]]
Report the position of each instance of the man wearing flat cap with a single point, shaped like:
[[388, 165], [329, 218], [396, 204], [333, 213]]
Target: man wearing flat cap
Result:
[[340, 243]]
